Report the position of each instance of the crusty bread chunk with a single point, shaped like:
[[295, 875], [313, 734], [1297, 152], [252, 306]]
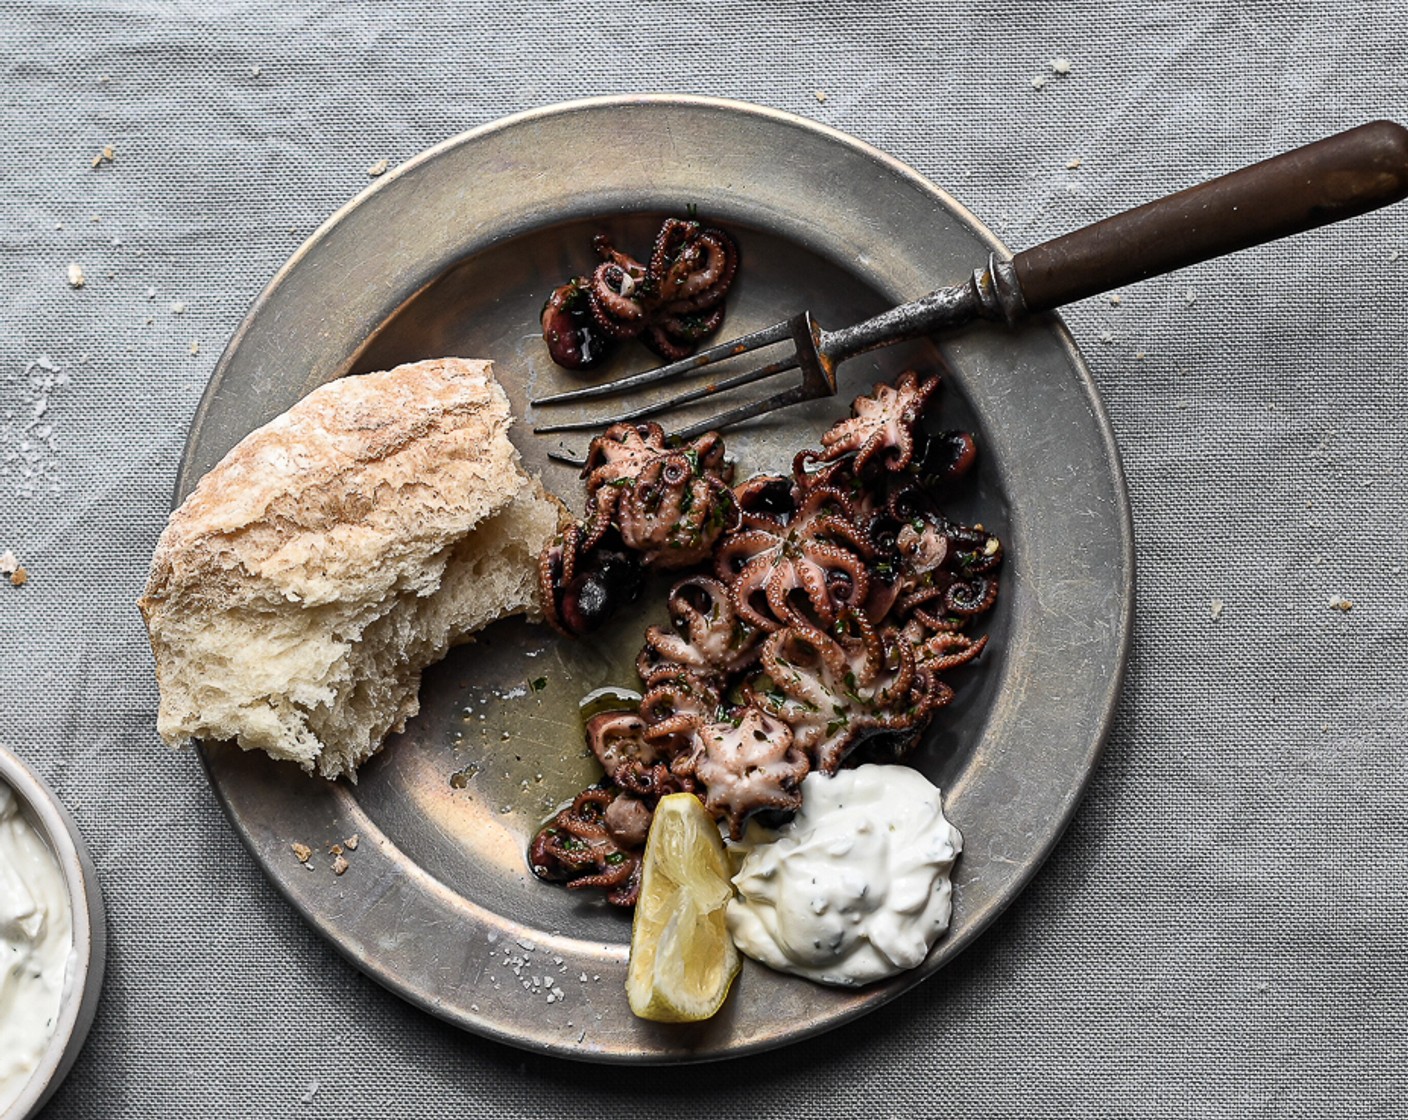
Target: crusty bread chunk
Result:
[[298, 593]]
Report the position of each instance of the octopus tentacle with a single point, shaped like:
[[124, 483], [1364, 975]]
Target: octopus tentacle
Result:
[[747, 764], [613, 293], [784, 565], [669, 503], [618, 739], [969, 598], [580, 585], [708, 637], [603, 247], [833, 689], [672, 302], [577, 848], [574, 338], [678, 706], [882, 426]]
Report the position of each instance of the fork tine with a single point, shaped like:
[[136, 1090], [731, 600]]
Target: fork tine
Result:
[[794, 395], [778, 332], [687, 397]]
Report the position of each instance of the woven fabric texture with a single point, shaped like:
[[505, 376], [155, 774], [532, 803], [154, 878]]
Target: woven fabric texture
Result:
[[1223, 930]]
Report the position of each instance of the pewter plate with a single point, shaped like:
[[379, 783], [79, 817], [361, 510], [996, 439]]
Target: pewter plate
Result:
[[454, 253]]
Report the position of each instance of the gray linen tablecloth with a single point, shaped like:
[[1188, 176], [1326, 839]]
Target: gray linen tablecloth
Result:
[[1222, 932]]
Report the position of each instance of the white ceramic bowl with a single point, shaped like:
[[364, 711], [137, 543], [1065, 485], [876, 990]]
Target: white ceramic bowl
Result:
[[84, 982]]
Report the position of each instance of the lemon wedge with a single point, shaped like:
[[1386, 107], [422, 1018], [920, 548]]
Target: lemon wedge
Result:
[[682, 957]]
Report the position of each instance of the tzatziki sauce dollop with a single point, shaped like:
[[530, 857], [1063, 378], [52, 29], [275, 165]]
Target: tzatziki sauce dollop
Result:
[[855, 887], [36, 942]]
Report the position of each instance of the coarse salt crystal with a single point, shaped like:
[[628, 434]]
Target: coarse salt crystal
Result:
[[1039, 82], [1215, 609], [178, 308], [1061, 66]]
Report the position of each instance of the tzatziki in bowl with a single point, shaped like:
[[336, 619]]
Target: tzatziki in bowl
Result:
[[52, 940]]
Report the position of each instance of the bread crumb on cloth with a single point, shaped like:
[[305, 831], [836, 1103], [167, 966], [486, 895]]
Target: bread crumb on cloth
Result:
[[12, 569]]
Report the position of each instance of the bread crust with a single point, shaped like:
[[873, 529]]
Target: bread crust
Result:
[[271, 585]]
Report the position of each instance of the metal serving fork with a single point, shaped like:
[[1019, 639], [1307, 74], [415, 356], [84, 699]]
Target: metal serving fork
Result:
[[1332, 179]]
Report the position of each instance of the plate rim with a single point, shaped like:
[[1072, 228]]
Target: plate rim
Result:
[[1110, 455]]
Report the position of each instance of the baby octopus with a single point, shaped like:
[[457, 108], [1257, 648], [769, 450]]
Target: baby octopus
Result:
[[839, 597], [648, 504], [671, 302]]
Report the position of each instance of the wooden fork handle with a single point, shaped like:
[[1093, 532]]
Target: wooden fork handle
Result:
[[1335, 178]]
